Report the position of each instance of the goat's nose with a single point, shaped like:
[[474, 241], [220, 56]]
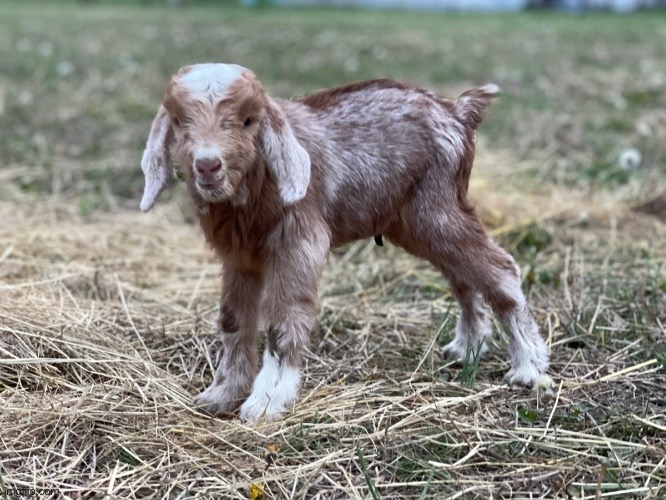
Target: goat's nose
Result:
[[208, 166]]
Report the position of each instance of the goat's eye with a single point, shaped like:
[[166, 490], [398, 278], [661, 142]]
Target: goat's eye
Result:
[[176, 122], [247, 122]]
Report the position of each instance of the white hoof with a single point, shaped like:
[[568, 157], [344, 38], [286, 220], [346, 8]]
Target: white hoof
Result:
[[261, 408], [275, 391], [528, 375], [529, 365]]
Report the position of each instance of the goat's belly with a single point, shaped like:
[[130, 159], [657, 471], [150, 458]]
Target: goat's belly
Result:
[[356, 218]]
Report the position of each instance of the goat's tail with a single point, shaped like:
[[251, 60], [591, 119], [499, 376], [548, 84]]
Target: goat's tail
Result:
[[471, 105]]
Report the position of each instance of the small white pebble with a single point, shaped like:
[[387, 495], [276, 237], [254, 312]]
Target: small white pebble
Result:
[[630, 159]]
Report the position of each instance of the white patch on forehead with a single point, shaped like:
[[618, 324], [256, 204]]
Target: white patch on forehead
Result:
[[210, 81]]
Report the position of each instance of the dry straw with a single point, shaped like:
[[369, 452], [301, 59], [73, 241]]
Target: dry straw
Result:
[[105, 336]]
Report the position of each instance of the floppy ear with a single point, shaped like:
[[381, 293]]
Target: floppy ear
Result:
[[288, 160], [154, 163]]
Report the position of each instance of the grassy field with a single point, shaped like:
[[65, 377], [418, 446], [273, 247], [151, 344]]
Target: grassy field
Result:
[[105, 312]]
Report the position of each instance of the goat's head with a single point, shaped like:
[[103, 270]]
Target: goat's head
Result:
[[217, 121]]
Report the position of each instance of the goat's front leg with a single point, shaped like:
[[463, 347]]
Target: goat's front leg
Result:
[[289, 310], [237, 324]]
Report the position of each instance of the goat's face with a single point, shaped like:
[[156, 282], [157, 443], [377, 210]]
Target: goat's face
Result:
[[215, 111], [217, 120]]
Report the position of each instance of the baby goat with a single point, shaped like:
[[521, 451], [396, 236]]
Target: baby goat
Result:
[[279, 183]]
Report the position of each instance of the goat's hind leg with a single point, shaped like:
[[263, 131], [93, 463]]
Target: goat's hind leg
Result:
[[456, 243], [528, 353], [496, 275], [474, 329], [237, 325]]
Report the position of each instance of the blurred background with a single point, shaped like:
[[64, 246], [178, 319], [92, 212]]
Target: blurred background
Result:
[[583, 86]]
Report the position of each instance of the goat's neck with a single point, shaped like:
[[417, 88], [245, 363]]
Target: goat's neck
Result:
[[256, 206]]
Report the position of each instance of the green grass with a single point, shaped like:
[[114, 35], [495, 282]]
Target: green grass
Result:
[[471, 362], [368, 480]]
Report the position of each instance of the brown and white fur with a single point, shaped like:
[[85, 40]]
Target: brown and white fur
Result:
[[279, 183]]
